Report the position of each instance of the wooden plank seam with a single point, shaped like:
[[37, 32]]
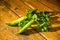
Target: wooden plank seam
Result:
[[30, 6], [48, 7]]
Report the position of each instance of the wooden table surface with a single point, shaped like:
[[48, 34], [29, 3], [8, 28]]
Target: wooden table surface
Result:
[[13, 9]]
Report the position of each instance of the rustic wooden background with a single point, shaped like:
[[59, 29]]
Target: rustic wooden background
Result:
[[13, 9]]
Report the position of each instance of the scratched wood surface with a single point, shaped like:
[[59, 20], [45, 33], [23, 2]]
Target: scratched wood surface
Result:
[[13, 9]]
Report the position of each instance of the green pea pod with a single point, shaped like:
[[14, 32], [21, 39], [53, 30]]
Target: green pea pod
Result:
[[15, 22]]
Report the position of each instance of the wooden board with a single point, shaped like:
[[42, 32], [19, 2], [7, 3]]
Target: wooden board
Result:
[[52, 4], [8, 33], [17, 8], [48, 35]]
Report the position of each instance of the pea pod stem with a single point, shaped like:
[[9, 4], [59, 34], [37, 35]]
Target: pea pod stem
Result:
[[25, 27]]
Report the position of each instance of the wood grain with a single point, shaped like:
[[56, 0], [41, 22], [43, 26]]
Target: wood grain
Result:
[[6, 32], [17, 8], [32, 33], [49, 35], [53, 4]]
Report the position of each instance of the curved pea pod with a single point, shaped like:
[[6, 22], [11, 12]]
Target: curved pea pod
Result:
[[15, 22]]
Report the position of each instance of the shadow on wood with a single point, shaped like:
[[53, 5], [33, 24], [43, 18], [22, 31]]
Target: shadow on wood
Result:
[[3, 2], [54, 20], [35, 30], [55, 2], [53, 29]]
